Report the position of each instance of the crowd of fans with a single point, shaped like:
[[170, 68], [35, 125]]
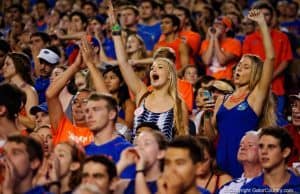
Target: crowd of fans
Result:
[[149, 96]]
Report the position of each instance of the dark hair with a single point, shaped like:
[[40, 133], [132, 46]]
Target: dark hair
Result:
[[105, 161], [191, 144], [204, 79], [285, 139], [13, 99], [17, 6], [263, 5], [174, 18], [22, 66], [92, 4], [188, 15], [79, 14], [45, 2], [33, 147], [123, 92], [4, 46], [207, 144], [44, 36], [112, 104], [153, 3], [149, 125]]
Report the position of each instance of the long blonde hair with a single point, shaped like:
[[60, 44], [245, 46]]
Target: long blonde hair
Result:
[[268, 116], [180, 128]]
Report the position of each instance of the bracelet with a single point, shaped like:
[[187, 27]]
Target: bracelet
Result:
[[116, 33], [138, 171], [116, 28]]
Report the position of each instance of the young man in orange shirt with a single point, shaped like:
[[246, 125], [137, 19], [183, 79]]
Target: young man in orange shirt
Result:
[[219, 52]]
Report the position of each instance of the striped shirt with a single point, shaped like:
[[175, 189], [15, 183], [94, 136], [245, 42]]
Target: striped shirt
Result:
[[164, 120]]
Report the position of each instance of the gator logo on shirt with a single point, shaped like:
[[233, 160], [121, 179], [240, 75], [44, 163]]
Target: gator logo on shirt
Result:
[[243, 106], [84, 140]]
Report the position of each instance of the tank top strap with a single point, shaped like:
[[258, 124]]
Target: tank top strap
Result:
[[217, 183], [143, 98]]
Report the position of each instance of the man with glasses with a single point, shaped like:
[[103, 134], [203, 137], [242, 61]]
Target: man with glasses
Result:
[[63, 128]]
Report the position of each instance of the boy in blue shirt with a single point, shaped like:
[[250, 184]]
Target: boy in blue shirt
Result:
[[275, 145]]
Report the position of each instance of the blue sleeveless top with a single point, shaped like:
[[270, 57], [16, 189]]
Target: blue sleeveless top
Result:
[[164, 120], [232, 124], [131, 187]]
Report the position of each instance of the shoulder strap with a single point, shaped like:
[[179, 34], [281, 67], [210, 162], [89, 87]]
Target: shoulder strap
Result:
[[143, 97]]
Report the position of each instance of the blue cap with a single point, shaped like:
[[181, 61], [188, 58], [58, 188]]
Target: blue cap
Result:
[[39, 108]]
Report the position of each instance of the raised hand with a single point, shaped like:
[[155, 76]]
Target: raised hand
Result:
[[86, 51], [256, 15], [111, 13]]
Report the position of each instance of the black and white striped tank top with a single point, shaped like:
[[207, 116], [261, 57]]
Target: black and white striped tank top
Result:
[[164, 120]]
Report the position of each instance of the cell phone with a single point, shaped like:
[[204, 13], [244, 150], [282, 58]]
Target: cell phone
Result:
[[207, 94]]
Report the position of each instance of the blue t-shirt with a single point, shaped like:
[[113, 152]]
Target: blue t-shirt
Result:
[[257, 186], [131, 187], [38, 190], [147, 38], [112, 149], [109, 48], [154, 30], [41, 85]]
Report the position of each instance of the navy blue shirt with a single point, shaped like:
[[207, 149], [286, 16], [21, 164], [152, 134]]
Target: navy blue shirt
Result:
[[257, 186], [41, 85], [38, 190], [113, 150], [109, 48]]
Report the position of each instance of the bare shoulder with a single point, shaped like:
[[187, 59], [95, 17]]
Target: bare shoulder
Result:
[[224, 178]]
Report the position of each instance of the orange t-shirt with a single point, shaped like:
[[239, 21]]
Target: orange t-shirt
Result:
[[66, 131], [253, 44], [175, 46], [193, 40], [229, 45]]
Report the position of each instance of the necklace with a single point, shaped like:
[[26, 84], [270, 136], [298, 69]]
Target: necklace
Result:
[[236, 99]]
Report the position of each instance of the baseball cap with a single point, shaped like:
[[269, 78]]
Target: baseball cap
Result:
[[222, 86], [295, 96], [225, 20], [39, 108], [49, 56]]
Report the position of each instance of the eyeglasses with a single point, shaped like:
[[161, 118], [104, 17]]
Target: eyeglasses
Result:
[[78, 101]]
